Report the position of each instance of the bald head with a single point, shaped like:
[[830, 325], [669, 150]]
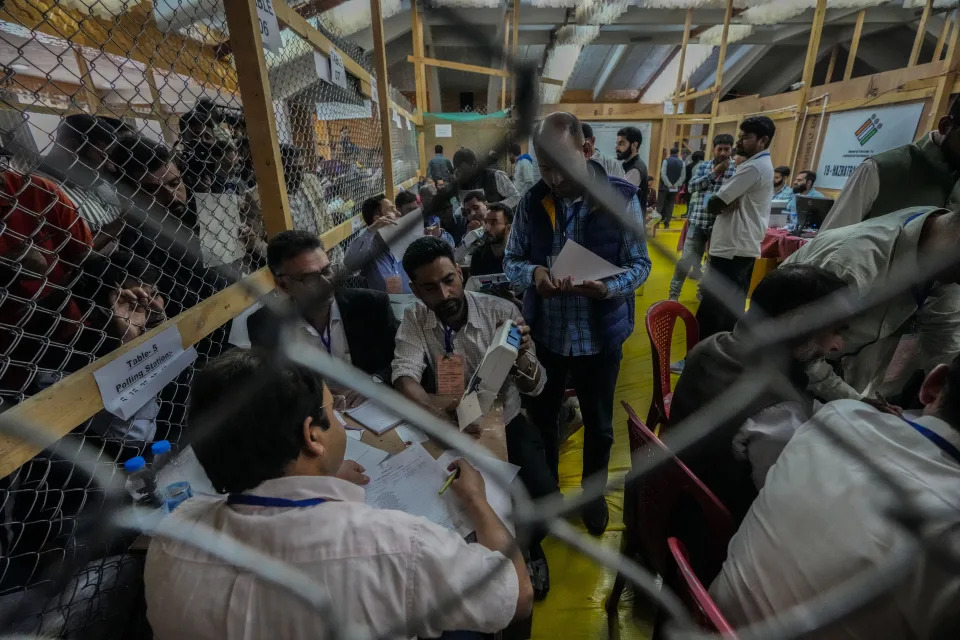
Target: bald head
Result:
[[558, 141]]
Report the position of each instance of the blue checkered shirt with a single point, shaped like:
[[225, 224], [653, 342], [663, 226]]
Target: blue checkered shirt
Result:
[[564, 324], [702, 185]]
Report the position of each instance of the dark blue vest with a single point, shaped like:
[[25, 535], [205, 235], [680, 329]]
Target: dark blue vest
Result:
[[612, 319]]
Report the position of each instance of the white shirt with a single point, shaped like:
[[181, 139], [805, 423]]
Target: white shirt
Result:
[[739, 230], [382, 569], [862, 255], [612, 166], [820, 520], [420, 340], [763, 436], [339, 347]]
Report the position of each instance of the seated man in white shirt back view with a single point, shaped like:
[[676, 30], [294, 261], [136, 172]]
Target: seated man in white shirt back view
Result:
[[387, 574], [825, 517]]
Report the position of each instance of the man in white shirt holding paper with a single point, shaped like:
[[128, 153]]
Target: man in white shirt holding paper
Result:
[[742, 207], [449, 331], [277, 455]]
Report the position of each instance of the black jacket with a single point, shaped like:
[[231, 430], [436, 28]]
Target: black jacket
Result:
[[368, 321]]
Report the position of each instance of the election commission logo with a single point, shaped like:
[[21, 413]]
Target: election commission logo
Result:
[[868, 129]]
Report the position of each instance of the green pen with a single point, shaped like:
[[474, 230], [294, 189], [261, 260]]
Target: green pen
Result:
[[446, 485]]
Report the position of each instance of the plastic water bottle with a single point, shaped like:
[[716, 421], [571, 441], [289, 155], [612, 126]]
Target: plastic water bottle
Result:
[[140, 483], [162, 454]]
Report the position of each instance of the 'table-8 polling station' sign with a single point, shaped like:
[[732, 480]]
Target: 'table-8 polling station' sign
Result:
[[854, 136]]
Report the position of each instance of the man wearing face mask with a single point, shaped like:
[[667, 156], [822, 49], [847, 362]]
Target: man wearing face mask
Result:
[[354, 325], [580, 327], [923, 173]]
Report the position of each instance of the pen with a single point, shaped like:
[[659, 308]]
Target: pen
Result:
[[446, 485]]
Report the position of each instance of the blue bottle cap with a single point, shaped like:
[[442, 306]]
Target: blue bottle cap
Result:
[[160, 446], [134, 464]]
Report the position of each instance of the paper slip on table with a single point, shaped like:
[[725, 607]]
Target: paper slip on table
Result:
[[493, 435]]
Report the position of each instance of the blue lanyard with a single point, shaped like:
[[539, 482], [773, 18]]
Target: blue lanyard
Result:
[[266, 501], [936, 439], [325, 337], [448, 339]]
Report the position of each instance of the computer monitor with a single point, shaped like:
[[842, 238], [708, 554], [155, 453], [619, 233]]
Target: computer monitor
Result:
[[777, 218], [811, 212]]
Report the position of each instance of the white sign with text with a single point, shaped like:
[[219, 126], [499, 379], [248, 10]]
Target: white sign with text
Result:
[[269, 27], [127, 383], [337, 71], [854, 136]]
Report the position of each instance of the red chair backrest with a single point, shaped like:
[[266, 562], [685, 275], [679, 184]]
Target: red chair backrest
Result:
[[661, 494], [661, 319], [689, 588]]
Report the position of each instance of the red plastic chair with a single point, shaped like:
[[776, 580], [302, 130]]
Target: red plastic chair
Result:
[[689, 588], [651, 504], [661, 319]]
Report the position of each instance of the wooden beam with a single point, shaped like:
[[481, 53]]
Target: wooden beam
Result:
[[169, 125], [832, 64], [854, 45], [419, 71], [516, 38], [813, 46], [59, 409], [472, 68], [507, 28], [383, 91], [721, 60], [86, 83], [683, 53], [944, 31], [921, 33], [941, 97], [254, 80]]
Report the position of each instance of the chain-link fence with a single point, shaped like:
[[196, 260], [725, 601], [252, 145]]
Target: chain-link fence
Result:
[[129, 196]]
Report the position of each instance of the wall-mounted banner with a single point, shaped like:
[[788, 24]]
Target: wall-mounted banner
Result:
[[854, 136]]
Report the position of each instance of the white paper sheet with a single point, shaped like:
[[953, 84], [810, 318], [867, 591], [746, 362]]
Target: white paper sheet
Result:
[[401, 235], [497, 496], [582, 264], [368, 457], [374, 417], [410, 482], [411, 434]]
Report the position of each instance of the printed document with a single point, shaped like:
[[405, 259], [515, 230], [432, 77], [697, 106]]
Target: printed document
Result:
[[582, 264]]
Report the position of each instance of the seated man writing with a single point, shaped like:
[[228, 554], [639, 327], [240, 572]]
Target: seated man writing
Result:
[[449, 330], [370, 255], [355, 325], [734, 458], [826, 518], [278, 455]]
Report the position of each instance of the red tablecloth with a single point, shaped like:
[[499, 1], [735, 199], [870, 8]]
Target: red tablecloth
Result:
[[779, 244]]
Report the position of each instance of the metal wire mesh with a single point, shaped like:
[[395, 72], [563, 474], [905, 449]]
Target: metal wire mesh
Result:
[[169, 205]]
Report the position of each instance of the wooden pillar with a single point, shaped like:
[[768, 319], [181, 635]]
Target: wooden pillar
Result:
[[832, 64], [419, 69], [169, 125], [91, 97], [813, 46], [507, 28], [948, 75], [718, 85], [683, 53], [854, 45], [516, 35], [657, 154], [254, 82], [944, 32], [380, 58], [921, 33]]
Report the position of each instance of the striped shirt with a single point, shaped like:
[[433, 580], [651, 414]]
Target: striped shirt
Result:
[[98, 207], [703, 184]]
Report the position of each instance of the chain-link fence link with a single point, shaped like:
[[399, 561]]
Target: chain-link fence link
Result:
[[129, 196]]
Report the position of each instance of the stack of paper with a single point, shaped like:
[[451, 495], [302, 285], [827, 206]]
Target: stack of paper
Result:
[[374, 417], [368, 457]]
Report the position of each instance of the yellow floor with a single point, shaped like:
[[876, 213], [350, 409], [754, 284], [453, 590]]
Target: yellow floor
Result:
[[574, 608]]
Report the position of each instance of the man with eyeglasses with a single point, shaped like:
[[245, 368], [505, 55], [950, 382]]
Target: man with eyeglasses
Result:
[[354, 325], [742, 210]]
